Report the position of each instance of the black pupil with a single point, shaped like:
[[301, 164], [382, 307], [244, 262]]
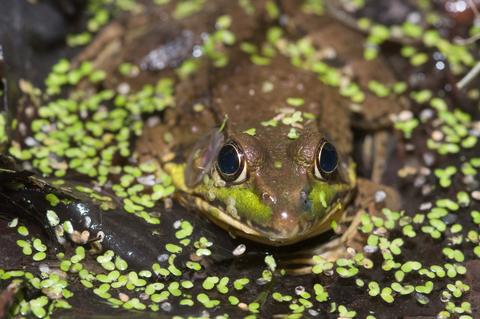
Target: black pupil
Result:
[[228, 160], [328, 158]]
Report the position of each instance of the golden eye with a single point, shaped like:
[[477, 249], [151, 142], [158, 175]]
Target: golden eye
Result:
[[231, 164], [326, 160]]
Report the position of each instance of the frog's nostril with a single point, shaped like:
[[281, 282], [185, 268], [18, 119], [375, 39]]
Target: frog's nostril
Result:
[[304, 197], [270, 199]]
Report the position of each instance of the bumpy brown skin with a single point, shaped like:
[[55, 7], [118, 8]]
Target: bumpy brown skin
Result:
[[239, 95]]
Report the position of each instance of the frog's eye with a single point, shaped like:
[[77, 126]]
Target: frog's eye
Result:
[[231, 163], [326, 161]]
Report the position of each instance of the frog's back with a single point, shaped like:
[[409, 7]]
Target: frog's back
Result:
[[252, 95]]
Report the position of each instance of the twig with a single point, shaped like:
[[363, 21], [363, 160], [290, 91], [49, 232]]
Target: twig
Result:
[[467, 41], [469, 77]]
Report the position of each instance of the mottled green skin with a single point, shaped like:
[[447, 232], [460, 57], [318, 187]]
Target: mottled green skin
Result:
[[247, 203]]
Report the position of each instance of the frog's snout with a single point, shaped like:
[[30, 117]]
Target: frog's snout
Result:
[[284, 224], [290, 217]]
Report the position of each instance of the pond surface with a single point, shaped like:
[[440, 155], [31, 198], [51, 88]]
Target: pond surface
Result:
[[103, 99]]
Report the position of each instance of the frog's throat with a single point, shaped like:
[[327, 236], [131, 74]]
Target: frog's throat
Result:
[[224, 220]]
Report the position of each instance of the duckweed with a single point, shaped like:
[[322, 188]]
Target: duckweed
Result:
[[251, 131], [22, 230], [88, 145]]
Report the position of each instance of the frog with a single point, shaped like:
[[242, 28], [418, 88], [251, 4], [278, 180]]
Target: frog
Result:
[[271, 157]]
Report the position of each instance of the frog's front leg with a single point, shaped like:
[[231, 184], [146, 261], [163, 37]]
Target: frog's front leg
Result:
[[371, 199]]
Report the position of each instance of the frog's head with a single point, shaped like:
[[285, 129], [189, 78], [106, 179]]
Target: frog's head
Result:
[[266, 190]]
